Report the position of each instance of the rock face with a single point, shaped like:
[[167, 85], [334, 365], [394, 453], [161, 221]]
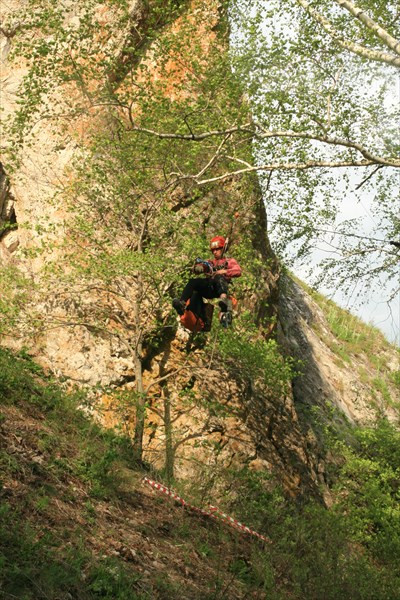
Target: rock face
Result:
[[219, 419], [9, 240], [331, 377]]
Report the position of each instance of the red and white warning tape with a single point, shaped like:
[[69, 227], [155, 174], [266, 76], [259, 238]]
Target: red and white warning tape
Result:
[[213, 511]]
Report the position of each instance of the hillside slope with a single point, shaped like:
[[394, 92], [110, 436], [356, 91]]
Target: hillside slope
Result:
[[347, 366], [76, 521]]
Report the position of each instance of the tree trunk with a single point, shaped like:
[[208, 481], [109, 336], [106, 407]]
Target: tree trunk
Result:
[[140, 410], [169, 449], [140, 395]]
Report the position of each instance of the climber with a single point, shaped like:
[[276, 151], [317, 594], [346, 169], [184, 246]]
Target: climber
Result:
[[218, 274]]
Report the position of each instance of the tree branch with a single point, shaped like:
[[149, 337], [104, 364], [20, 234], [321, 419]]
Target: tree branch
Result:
[[368, 53], [332, 142], [283, 167], [264, 134], [381, 33], [368, 177], [215, 156], [164, 377], [195, 137]]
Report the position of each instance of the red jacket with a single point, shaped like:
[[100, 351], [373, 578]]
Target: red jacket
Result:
[[230, 264]]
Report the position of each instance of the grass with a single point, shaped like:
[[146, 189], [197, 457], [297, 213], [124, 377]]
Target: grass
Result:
[[381, 386], [71, 456], [396, 379], [357, 336], [352, 341], [69, 528]]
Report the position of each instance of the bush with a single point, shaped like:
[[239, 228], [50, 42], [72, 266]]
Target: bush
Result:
[[251, 356], [369, 492]]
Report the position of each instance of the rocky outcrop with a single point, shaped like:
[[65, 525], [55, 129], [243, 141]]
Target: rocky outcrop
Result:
[[8, 238], [330, 381]]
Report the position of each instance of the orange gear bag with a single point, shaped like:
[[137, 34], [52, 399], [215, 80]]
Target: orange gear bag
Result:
[[194, 323]]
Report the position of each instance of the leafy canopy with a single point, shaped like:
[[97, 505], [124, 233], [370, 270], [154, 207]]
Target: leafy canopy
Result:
[[323, 80]]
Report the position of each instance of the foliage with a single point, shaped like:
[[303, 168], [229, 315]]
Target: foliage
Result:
[[315, 552], [18, 379], [370, 490], [251, 356], [14, 296], [350, 550], [320, 138]]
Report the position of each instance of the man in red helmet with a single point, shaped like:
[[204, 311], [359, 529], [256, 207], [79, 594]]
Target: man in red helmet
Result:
[[219, 273]]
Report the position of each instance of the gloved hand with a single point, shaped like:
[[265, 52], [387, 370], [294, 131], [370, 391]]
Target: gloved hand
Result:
[[198, 268], [202, 266]]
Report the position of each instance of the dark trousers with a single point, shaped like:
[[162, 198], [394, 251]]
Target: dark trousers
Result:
[[207, 288]]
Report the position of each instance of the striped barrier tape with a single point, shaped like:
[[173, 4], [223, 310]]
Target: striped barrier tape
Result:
[[213, 511]]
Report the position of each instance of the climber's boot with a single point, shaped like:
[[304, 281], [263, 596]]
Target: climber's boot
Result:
[[225, 305], [225, 316], [179, 306]]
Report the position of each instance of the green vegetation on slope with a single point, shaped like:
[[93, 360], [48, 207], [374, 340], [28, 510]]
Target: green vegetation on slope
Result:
[[75, 521], [362, 346]]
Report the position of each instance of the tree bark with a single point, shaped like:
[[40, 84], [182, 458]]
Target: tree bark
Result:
[[363, 51], [362, 16]]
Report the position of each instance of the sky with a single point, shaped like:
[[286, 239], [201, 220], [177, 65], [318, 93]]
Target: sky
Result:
[[374, 307], [371, 306]]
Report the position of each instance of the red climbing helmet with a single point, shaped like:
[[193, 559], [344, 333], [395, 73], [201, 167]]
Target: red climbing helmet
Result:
[[217, 242]]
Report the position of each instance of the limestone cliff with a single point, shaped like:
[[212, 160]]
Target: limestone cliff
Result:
[[201, 410]]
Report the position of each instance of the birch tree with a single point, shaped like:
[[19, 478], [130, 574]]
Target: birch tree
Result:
[[323, 79]]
